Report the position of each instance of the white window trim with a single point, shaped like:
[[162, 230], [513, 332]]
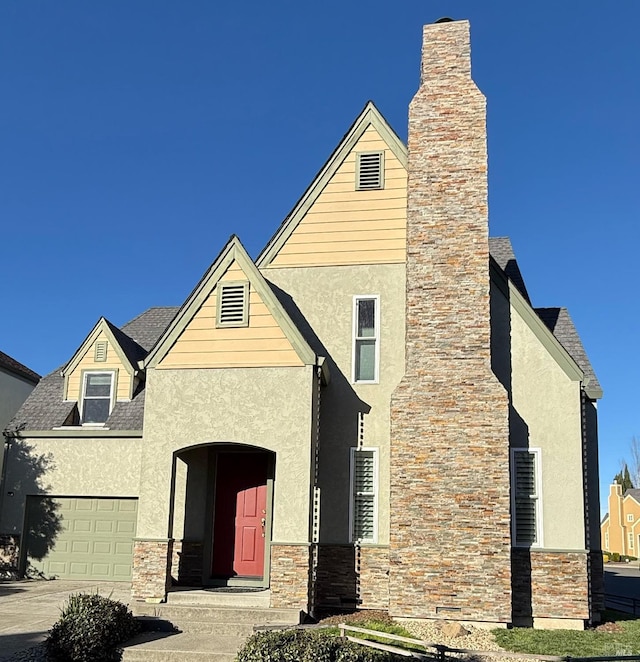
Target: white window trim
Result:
[[112, 399], [631, 539], [537, 453], [375, 337], [376, 490], [630, 517]]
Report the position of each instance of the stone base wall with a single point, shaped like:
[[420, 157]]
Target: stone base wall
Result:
[[151, 569], [290, 571], [374, 577], [349, 577], [336, 579], [9, 555], [188, 566], [549, 585]]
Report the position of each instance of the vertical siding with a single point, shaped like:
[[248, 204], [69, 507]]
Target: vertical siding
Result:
[[345, 226], [74, 383], [202, 345]]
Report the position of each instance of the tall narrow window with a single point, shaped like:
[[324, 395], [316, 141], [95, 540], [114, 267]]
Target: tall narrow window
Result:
[[366, 346], [364, 494], [526, 510], [630, 540], [97, 396], [370, 171]]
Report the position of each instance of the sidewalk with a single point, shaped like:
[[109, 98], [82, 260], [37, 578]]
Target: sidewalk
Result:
[[28, 608]]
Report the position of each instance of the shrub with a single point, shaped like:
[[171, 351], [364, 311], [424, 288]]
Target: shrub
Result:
[[89, 630], [615, 557], [306, 646]]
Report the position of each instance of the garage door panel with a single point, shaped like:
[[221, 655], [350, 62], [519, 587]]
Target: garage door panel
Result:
[[95, 540]]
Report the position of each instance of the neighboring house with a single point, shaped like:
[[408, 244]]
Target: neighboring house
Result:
[[371, 414], [620, 527], [16, 382]]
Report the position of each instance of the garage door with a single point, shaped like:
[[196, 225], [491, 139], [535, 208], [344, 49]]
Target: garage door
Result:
[[81, 537]]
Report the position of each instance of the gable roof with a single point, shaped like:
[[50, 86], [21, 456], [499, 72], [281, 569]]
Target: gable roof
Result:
[[633, 493], [559, 322], [369, 116], [16, 368], [501, 251], [126, 348], [45, 408], [234, 251]]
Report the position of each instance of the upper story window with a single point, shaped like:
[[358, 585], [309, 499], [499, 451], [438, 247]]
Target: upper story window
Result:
[[233, 304], [369, 171], [97, 396], [364, 495], [526, 496], [630, 518], [366, 341]]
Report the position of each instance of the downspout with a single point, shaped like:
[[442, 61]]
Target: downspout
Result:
[[3, 466]]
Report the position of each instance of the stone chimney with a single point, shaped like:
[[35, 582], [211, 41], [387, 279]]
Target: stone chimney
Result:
[[450, 510]]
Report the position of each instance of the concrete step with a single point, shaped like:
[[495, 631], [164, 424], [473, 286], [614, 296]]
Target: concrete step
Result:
[[239, 629], [184, 615], [184, 647], [202, 597]]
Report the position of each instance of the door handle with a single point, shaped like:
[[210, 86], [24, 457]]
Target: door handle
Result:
[[263, 521]]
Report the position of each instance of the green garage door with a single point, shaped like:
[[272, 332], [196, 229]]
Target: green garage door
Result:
[[81, 537]]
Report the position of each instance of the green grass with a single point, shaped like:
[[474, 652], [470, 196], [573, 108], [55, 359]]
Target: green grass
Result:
[[576, 643]]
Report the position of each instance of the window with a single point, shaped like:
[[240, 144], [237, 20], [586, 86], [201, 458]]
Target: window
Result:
[[606, 541], [97, 396], [630, 540], [525, 490], [629, 518], [366, 346], [370, 171], [233, 304], [364, 483]]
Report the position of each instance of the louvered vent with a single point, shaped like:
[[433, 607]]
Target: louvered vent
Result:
[[233, 305], [526, 498], [100, 351], [370, 171], [364, 495]]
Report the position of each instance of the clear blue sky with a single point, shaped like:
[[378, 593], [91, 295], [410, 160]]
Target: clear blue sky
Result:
[[136, 136]]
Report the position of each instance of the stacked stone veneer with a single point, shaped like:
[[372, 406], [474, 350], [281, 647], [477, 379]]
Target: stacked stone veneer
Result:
[[290, 576], [550, 585], [450, 520], [151, 569]]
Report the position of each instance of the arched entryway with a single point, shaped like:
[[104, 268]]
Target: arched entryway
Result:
[[223, 505]]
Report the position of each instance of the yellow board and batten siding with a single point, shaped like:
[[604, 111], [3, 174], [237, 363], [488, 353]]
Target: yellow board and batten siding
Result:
[[345, 226], [88, 362], [261, 344]]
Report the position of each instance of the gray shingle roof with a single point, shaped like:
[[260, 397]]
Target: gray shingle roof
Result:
[[11, 365], [45, 409], [559, 322], [502, 252], [634, 493]]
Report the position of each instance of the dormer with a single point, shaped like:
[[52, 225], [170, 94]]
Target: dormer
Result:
[[102, 372]]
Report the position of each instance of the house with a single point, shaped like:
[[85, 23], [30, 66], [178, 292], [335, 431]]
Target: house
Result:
[[16, 382], [620, 527], [369, 414]]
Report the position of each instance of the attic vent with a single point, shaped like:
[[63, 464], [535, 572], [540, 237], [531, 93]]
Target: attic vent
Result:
[[100, 351], [370, 171], [233, 304]]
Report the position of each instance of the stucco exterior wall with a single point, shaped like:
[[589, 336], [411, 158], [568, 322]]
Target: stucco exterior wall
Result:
[[13, 392], [67, 467], [546, 404], [270, 408], [324, 296]]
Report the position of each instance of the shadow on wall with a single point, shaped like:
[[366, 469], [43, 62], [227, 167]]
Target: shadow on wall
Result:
[[25, 480]]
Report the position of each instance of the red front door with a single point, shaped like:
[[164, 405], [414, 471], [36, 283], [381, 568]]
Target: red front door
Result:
[[240, 515]]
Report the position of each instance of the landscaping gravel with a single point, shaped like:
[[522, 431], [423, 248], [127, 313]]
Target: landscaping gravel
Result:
[[34, 654]]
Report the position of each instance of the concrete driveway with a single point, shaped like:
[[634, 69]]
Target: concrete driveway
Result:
[[28, 608]]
